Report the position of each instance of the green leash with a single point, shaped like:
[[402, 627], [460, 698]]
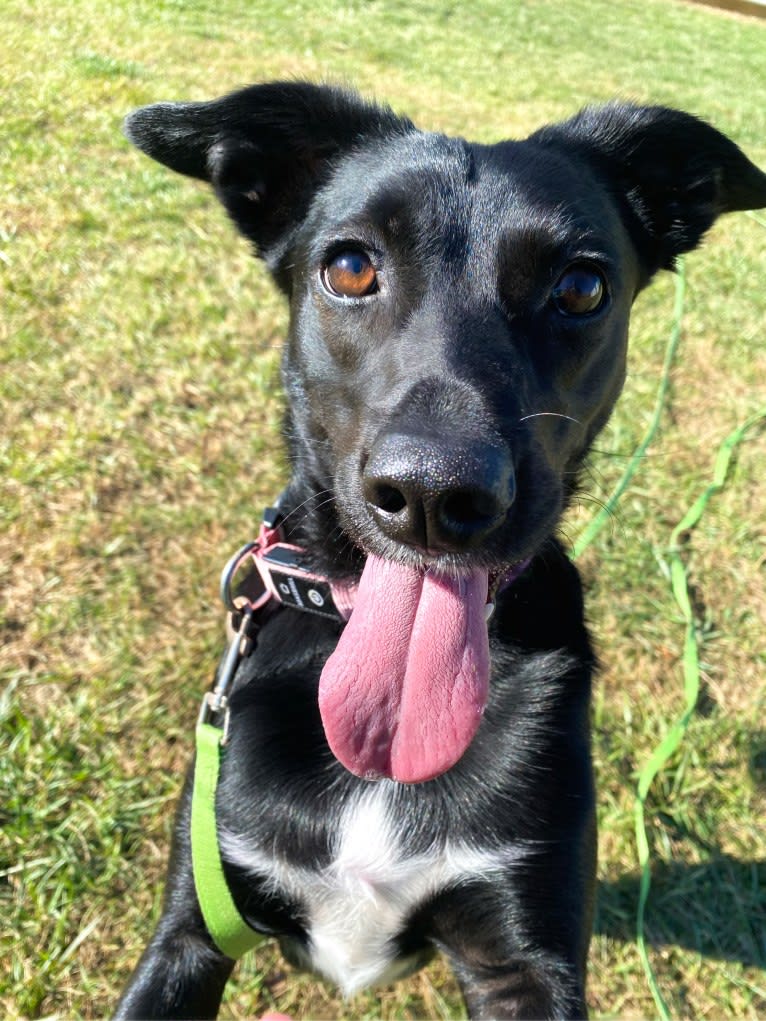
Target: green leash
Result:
[[246, 595], [228, 929], [230, 932]]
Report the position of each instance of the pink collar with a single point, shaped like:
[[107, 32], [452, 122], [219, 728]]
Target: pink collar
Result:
[[271, 570]]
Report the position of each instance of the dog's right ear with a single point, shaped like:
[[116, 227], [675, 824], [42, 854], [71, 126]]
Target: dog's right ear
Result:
[[673, 173], [265, 149]]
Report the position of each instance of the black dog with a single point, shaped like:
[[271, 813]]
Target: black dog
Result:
[[459, 319]]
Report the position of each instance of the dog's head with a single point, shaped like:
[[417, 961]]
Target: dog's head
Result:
[[459, 312]]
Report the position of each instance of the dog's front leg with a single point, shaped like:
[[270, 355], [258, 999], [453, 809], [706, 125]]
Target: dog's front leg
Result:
[[181, 974], [519, 948], [530, 986]]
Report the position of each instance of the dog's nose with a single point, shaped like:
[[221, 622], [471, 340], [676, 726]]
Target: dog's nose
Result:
[[436, 495]]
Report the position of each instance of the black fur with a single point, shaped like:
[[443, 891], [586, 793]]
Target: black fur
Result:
[[461, 357]]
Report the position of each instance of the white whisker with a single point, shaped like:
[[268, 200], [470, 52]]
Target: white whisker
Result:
[[551, 414], [314, 496]]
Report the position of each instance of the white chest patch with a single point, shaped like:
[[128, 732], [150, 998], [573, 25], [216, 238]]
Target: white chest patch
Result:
[[358, 904]]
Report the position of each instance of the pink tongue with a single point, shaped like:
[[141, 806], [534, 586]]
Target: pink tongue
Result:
[[403, 694]]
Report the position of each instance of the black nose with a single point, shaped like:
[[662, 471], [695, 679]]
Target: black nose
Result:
[[437, 494]]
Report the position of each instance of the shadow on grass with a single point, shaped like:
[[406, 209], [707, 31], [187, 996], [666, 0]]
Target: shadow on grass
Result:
[[716, 908]]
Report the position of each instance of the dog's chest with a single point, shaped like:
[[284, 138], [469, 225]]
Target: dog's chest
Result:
[[358, 904]]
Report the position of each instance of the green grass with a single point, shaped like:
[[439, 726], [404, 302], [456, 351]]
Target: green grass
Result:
[[139, 410]]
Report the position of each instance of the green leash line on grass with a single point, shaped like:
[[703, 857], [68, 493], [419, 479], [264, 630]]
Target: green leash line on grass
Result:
[[598, 521], [585, 539], [679, 585], [673, 737]]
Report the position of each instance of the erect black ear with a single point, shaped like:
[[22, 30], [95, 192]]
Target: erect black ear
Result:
[[673, 173], [265, 149]]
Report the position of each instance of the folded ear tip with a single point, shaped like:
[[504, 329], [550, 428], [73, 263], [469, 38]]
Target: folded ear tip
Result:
[[145, 126], [148, 122], [131, 126], [170, 133], [747, 188]]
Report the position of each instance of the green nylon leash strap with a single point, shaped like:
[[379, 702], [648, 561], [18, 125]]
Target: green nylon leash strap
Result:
[[230, 932]]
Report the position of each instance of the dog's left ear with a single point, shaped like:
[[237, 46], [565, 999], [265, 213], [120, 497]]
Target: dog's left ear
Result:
[[673, 173], [265, 149]]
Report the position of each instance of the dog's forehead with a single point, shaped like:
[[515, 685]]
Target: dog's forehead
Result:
[[435, 186], [386, 179]]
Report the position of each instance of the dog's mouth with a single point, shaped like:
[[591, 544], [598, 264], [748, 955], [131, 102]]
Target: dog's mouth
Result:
[[404, 692]]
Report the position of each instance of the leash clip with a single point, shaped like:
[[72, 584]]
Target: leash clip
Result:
[[266, 571], [210, 711], [215, 704], [243, 593]]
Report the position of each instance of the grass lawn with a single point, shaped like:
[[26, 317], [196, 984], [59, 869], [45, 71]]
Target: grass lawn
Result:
[[139, 411]]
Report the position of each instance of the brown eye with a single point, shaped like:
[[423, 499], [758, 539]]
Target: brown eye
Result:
[[579, 291], [350, 274]]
